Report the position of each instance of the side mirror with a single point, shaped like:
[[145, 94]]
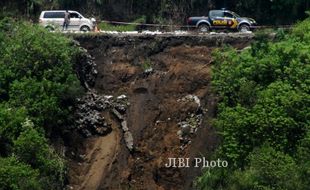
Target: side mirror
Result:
[[80, 17]]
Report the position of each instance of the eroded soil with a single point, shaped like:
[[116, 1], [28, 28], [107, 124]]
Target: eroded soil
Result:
[[96, 157], [155, 83], [154, 114]]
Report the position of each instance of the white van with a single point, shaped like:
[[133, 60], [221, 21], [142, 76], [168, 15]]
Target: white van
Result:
[[54, 19]]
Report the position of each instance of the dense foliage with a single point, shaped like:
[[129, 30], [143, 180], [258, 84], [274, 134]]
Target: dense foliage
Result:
[[163, 11], [264, 114], [37, 88]]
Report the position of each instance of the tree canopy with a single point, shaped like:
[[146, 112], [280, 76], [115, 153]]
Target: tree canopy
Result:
[[264, 114], [38, 85]]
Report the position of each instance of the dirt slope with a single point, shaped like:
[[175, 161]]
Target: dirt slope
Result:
[[95, 159], [158, 76], [154, 115]]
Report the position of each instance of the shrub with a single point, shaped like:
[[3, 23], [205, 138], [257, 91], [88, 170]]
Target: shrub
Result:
[[38, 85], [267, 169], [32, 148], [15, 175], [264, 99], [36, 72], [10, 126]]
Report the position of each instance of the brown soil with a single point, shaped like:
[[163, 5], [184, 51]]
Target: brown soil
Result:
[[96, 158], [153, 116]]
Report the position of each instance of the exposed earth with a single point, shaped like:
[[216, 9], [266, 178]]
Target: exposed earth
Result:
[[170, 105]]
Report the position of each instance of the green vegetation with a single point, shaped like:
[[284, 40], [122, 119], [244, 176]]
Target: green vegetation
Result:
[[146, 65], [37, 88], [264, 114], [15, 175]]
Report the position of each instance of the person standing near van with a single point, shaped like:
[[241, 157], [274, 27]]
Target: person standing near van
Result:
[[66, 21]]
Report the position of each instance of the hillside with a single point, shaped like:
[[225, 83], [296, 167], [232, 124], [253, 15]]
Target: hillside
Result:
[[162, 111]]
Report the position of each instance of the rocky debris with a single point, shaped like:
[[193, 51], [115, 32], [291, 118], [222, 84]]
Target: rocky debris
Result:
[[86, 68], [129, 140], [127, 134], [121, 103], [124, 126], [88, 117], [188, 128], [122, 97], [193, 120], [118, 115], [89, 120], [191, 98], [148, 70]]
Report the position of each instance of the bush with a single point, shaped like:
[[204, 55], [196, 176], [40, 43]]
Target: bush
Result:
[[38, 87], [264, 99], [15, 175], [301, 30], [10, 126], [268, 169], [36, 72], [32, 148]]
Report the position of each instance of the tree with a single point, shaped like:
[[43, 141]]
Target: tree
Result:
[[15, 175], [38, 86], [267, 169], [10, 126], [264, 99], [32, 148], [36, 72]]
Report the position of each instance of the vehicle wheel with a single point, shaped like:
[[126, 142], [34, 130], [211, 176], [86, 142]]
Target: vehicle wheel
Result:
[[204, 28], [85, 29], [49, 28], [244, 28]]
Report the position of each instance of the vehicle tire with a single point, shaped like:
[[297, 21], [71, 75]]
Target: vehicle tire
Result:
[[49, 28], [85, 29], [244, 28], [203, 28]]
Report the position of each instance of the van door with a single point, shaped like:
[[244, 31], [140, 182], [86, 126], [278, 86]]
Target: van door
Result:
[[75, 21], [55, 19]]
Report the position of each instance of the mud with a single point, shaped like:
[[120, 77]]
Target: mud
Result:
[[98, 154], [155, 72]]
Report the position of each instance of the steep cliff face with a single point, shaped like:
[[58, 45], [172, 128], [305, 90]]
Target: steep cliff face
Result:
[[164, 81]]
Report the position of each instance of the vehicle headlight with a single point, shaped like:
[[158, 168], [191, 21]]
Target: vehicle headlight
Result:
[[252, 21]]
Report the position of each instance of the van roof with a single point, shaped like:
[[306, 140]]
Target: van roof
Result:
[[59, 11]]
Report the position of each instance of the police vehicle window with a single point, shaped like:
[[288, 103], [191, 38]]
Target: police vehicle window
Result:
[[229, 15], [74, 15], [235, 14], [216, 14]]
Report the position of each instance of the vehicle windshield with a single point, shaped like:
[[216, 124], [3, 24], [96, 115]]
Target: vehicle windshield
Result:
[[235, 14]]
